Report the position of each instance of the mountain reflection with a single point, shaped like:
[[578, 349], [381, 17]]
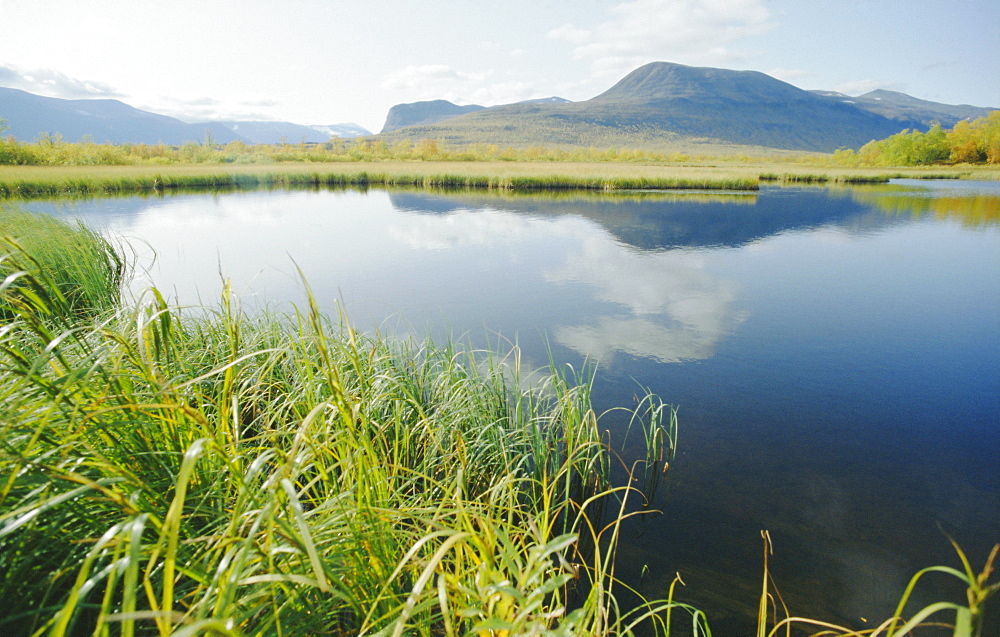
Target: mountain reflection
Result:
[[663, 221]]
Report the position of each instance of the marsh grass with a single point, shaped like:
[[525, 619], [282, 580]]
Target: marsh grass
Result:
[[168, 471], [58, 268], [497, 176], [35, 181], [960, 619]]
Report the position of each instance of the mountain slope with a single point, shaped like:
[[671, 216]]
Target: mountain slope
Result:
[[274, 132], [103, 120], [347, 130], [661, 104], [421, 113], [426, 113], [904, 107]]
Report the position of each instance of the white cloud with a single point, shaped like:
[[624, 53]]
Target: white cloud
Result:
[[569, 33], [207, 109], [53, 83], [438, 81], [504, 93], [429, 76], [688, 31]]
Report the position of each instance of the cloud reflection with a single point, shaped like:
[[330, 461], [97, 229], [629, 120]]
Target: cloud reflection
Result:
[[671, 308], [664, 305], [461, 228]]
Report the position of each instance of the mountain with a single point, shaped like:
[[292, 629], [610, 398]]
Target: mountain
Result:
[[425, 113], [546, 100], [662, 105], [341, 130], [286, 132], [900, 106], [102, 120], [419, 113], [274, 132], [30, 115]]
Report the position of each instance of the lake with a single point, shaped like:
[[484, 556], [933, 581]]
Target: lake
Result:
[[834, 352]]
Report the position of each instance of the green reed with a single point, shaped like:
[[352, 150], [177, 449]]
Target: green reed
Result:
[[58, 267], [966, 619], [54, 181], [168, 471]]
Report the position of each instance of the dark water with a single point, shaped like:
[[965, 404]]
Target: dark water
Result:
[[834, 353]]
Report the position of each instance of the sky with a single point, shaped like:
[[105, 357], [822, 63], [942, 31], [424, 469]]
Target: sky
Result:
[[349, 61]]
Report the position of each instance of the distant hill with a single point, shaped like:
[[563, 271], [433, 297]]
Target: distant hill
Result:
[[341, 130], [422, 113], [546, 100], [288, 133], [102, 120], [425, 113], [902, 107], [662, 105]]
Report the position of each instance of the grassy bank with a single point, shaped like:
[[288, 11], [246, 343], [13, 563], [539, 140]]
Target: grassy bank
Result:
[[54, 181], [38, 181], [168, 472]]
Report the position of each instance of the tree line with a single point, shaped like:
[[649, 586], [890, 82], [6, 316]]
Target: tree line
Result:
[[976, 142]]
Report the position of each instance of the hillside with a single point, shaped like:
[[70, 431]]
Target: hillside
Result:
[[347, 130], [274, 132], [663, 105], [421, 113], [903, 107], [102, 120], [425, 113]]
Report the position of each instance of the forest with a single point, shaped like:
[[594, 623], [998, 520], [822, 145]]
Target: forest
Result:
[[976, 142]]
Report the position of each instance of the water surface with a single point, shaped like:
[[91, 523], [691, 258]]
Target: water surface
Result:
[[834, 353]]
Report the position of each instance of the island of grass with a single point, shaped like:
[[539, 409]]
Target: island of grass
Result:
[[724, 175]]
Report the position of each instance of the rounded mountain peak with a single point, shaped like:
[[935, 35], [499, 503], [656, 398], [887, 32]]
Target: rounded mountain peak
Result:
[[666, 80]]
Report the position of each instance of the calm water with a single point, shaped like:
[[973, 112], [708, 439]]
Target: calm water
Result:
[[834, 353]]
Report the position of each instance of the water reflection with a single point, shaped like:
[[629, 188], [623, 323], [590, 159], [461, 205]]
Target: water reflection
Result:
[[665, 305], [834, 351], [664, 221], [974, 205]]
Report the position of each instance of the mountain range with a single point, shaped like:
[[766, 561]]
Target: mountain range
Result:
[[659, 106], [662, 105], [105, 120]]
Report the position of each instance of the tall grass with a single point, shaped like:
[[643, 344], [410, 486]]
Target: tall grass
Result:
[[965, 619], [176, 472], [29, 182], [57, 268]]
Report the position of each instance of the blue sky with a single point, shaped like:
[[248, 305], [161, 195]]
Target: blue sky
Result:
[[337, 61]]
